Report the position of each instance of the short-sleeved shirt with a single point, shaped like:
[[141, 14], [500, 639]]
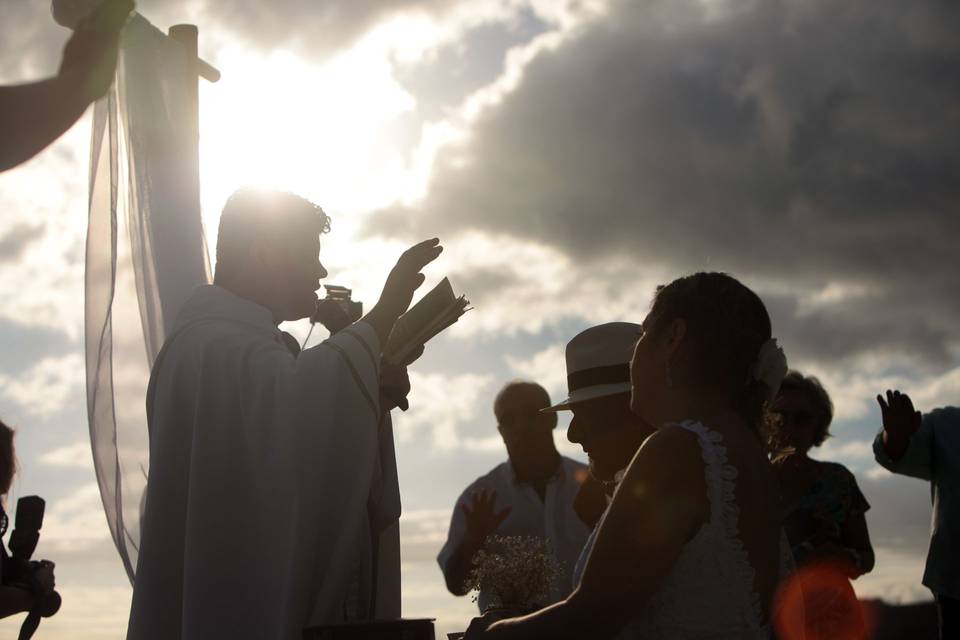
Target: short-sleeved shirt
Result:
[[933, 454], [834, 496], [552, 518]]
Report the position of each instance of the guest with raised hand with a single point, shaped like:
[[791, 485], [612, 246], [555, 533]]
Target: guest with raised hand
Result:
[[530, 494], [480, 518], [692, 544], [824, 509], [927, 446], [35, 114]]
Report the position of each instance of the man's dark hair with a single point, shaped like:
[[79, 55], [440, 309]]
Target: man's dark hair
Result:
[[818, 397], [250, 214], [537, 389]]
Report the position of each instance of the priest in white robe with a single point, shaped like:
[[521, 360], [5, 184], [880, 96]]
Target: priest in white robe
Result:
[[272, 502]]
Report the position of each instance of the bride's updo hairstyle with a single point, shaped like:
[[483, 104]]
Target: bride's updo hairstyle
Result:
[[726, 325]]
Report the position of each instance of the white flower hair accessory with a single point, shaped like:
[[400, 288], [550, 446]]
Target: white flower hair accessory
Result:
[[770, 366]]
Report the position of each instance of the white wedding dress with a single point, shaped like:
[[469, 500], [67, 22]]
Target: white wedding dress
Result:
[[709, 591]]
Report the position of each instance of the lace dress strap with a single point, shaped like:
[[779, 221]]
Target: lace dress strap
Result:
[[721, 481]]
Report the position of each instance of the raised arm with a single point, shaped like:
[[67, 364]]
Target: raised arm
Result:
[[905, 444], [403, 281], [34, 115]]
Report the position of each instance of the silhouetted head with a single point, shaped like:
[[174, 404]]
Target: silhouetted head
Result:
[[526, 432], [268, 250], [804, 412], [598, 385], [700, 343], [609, 432], [8, 463]]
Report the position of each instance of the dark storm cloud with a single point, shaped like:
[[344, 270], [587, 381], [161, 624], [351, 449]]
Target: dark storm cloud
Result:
[[802, 142], [460, 67], [15, 240], [902, 519], [23, 346], [873, 324]]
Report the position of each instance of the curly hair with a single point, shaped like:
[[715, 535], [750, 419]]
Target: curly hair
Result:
[[727, 323], [818, 397], [250, 214]]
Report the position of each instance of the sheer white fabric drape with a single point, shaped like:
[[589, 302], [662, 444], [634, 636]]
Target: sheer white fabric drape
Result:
[[145, 254]]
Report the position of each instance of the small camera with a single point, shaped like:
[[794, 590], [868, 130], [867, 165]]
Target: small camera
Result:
[[19, 570], [337, 310]]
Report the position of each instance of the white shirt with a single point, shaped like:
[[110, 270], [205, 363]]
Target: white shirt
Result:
[[552, 518]]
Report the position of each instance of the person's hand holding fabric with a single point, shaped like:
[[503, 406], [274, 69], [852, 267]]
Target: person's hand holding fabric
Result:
[[90, 55], [35, 114]]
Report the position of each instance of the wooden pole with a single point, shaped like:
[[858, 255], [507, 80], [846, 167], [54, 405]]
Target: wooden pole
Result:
[[188, 35]]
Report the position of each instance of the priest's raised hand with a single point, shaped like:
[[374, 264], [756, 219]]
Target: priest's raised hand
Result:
[[403, 281], [272, 501]]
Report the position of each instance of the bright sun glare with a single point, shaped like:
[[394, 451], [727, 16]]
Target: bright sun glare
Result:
[[332, 131], [276, 121]]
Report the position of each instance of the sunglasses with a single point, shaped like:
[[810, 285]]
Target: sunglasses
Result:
[[797, 417]]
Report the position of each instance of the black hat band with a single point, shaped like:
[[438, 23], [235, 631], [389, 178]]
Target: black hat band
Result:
[[596, 376]]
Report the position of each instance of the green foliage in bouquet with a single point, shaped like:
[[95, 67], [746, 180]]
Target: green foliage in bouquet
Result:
[[517, 572]]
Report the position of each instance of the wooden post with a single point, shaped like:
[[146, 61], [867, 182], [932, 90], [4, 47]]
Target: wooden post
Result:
[[188, 35]]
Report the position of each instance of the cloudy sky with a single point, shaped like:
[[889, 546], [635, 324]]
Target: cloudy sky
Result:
[[571, 154]]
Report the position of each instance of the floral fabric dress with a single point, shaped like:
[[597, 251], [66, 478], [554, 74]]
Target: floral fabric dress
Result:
[[831, 605], [822, 511], [708, 594]]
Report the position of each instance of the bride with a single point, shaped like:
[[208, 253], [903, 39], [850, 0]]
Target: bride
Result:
[[691, 545]]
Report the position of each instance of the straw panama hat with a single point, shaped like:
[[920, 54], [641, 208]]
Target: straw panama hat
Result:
[[598, 362]]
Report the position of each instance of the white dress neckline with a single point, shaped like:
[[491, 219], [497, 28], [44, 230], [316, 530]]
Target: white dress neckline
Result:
[[709, 592]]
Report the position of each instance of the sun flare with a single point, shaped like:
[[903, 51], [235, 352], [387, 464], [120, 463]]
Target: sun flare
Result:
[[320, 130]]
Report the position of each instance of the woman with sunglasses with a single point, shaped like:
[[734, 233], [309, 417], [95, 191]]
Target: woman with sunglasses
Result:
[[824, 510]]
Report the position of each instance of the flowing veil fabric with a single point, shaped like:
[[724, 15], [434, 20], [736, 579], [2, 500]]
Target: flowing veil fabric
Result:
[[145, 254]]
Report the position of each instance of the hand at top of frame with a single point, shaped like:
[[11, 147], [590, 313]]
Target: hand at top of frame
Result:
[[90, 55]]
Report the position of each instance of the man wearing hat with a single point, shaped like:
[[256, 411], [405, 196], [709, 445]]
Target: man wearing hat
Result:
[[531, 494], [598, 378]]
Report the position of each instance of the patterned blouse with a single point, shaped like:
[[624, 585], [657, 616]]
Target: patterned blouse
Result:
[[832, 498]]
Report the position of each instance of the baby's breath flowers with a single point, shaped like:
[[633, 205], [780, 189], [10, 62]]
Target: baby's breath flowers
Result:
[[516, 572]]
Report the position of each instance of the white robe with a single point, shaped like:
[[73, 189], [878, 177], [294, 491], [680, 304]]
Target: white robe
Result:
[[272, 502]]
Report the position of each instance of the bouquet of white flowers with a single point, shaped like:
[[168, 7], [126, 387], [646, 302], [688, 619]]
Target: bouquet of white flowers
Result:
[[518, 573]]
